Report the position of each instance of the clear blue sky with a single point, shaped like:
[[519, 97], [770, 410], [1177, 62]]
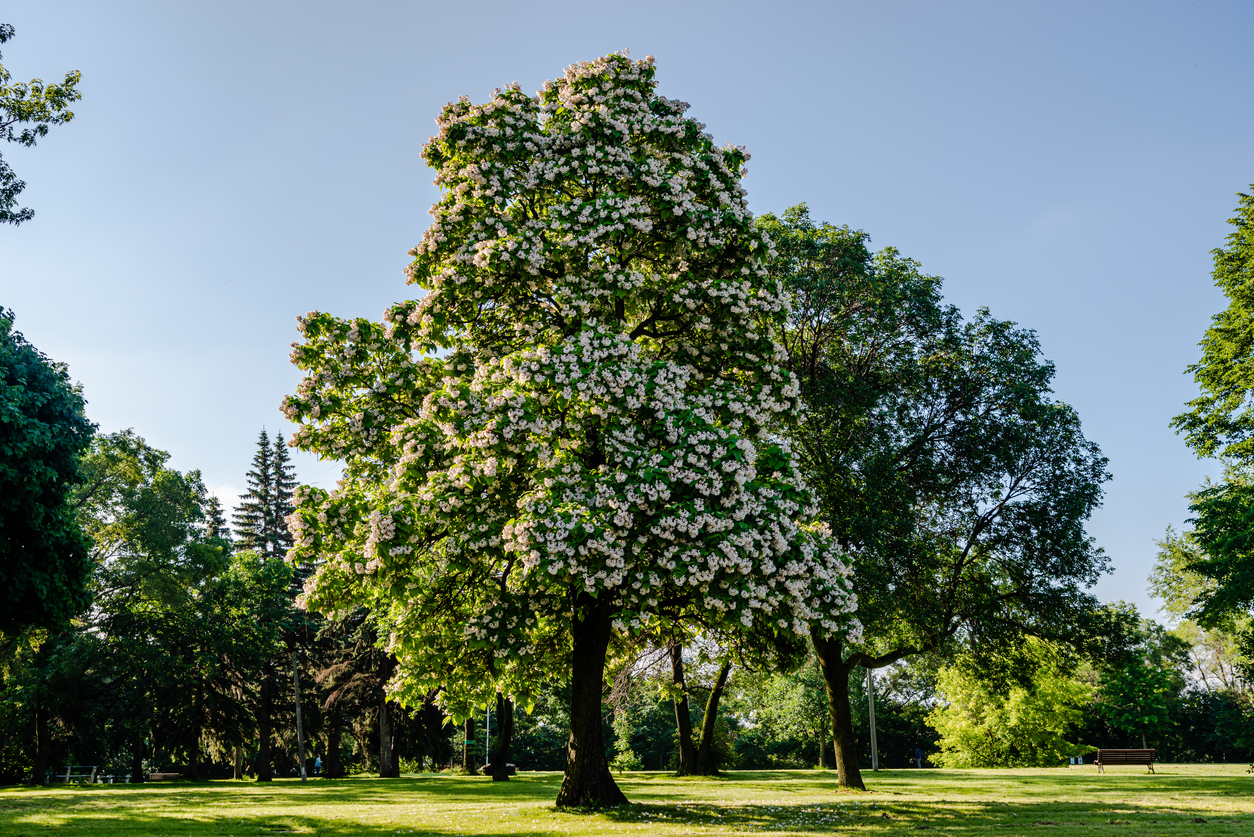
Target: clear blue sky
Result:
[[232, 165]]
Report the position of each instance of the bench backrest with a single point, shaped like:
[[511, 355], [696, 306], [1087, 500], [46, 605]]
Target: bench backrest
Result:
[[1125, 756]]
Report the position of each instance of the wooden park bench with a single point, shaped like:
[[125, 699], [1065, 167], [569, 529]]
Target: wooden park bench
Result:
[[163, 777], [1108, 757]]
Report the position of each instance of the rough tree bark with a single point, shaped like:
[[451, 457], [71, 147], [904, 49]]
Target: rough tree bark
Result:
[[265, 709], [332, 768], [499, 757], [193, 757], [389, 764], [389, 767], [836, 679], [588, 782], [468, 735], [137, 757], [707, 759], [683, 719], [43, 742]]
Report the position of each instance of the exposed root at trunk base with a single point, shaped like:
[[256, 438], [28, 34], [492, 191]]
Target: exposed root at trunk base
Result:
[[603, 793]]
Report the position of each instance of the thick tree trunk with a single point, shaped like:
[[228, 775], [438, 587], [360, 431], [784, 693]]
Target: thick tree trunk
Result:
[[194, 765], [43, 742], [588, 782], [332, 768], [137, 757], [499, 757], [683, 719], [193, 757], [469, 735], [707, 759], [265, 709], [836, 679], [238, 771], [389, 768]]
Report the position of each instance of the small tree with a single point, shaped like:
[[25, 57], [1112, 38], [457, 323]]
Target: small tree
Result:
[[1139, 664], [589, 453], [1024, 723], [215, 522]]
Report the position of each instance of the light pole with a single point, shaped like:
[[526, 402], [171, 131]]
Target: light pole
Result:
[[870, 705], [300, 727]]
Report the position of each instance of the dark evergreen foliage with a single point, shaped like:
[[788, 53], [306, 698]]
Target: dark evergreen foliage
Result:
[[260, 519], [215, 521], [252, 515]]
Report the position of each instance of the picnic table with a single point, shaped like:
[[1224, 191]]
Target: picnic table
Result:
[[1105, 757], [87, 773], [75, 772]]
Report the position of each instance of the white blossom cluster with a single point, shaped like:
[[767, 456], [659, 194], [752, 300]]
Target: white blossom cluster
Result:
[[596, 420]]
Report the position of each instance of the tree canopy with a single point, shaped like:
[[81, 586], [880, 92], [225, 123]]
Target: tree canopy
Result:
[[590, 451], [936, 451], [1220, 422], [44, 561]]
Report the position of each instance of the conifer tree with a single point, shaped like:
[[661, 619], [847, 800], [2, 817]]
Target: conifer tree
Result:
[[215, 521], [261, 519], [251, 517], [284, 485]]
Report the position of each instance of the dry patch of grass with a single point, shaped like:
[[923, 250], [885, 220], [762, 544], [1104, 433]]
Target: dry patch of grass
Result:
[[1178, 800]]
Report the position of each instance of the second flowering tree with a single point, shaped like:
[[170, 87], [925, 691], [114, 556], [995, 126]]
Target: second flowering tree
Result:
[[566, 436]]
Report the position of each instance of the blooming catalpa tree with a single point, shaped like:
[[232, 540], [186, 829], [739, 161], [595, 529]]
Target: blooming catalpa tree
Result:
[[566, 436]]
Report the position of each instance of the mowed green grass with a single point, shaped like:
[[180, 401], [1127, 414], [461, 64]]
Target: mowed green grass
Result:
[[1123, 801]]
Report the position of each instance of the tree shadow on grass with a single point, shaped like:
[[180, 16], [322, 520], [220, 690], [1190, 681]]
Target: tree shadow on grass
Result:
[[743, 803], [145, 824], [981, 818], [449, 790]]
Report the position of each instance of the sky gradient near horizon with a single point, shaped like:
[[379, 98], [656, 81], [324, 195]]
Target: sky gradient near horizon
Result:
[[232, 165]]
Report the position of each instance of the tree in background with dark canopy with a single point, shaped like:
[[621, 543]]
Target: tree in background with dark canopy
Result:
[[44, 560], [937, 453]]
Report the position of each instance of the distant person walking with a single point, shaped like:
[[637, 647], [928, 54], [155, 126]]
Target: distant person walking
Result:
[[318, 765], [918, 757]]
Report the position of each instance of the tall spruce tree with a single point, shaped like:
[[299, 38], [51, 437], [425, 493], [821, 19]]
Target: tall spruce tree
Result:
[[251, 517], [215, 520], [284, 486], [261, 519]]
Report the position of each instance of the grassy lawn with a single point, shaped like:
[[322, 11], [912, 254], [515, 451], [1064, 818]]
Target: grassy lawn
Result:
[[1123, 801]]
